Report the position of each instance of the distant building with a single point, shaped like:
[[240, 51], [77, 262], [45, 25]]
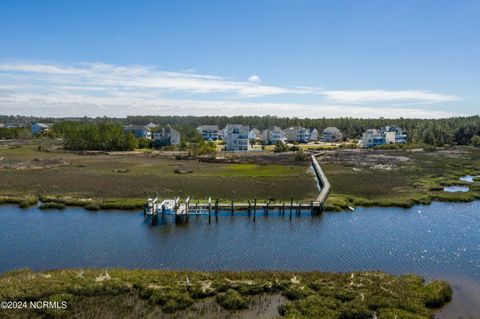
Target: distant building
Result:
[[313, 134], [38, 128], [272, 136], [221, 134], [297, 134], [209, 132], [385, 135], [332, 134], [151, 126], [400, 137], [236, 137], [166, 136], [254, 134], [139, 131], [2, 125]]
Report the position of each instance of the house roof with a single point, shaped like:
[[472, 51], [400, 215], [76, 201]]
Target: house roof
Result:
[[332, 130], [208, 127], [43, 125], [151, 125]]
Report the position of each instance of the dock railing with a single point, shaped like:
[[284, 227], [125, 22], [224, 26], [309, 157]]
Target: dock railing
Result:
[[325, 186]]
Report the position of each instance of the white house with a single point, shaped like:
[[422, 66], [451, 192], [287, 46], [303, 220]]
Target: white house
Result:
[[272, 135], [236, 138], [254, 134], [297, 134], [400, 137], [166, 136], [332, 134], [313, 134], [385, 135], [38, 128], [209, 132]]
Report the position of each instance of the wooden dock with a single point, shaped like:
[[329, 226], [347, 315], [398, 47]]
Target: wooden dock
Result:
[[155, 207]]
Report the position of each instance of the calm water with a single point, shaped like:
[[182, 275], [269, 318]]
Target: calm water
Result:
[[456, 188], [437, 241]]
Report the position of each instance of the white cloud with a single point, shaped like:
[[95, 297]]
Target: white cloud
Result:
[[254, 78], [380, 95], [98, 89]]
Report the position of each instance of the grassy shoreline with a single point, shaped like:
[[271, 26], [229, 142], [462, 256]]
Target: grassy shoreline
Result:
[[191, 294], [399, 178], [334, 203], [367, 178]]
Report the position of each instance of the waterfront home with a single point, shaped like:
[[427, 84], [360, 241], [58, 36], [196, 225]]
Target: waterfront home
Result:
[[151, 126], [221, 134], [166, 136], [332, 134], [400, 136], [38, 128], [272, 136], [313, 134], [373, 137], [209, 132], [236, 138], [254, 134], [385, 135], [139, 131], [297, 134]]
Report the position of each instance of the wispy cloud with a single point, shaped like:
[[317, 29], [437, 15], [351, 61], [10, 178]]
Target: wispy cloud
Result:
[[381, 95], [105, 89]]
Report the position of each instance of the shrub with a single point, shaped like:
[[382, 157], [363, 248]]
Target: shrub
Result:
[[52, 205], [232, 300], [437, 293], [294, 292]]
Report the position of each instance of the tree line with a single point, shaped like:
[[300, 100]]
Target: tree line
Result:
[[81, 136], [436, 132]]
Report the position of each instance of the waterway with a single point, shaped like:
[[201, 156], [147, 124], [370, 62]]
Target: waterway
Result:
[[441, 241]]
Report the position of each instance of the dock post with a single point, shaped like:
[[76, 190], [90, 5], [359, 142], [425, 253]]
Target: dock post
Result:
[[232, 207], [209, 209], [249, 206], [266, 208], [254, 209], [283, 209], [216, 210]]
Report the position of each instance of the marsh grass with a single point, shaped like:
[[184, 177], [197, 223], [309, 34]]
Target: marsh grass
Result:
[[52, 205], [174, 293], [358, 179], [95, 177]]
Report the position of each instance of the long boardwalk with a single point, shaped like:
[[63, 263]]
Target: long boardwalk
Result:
[[153, 207]]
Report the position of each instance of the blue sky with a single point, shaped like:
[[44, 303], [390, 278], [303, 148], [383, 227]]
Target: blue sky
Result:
[[288, 58]]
